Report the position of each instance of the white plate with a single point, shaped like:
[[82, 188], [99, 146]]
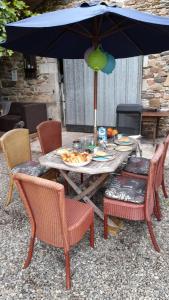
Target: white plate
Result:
[[76, 165], [103, 158], [130, 142], [123, 143], [124, 148]]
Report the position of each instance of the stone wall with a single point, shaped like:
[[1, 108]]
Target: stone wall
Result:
[[156, 67], [49, 5], [45, 88]]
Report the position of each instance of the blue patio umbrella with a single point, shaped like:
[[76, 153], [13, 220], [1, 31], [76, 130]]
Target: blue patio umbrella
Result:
[[68, 33]]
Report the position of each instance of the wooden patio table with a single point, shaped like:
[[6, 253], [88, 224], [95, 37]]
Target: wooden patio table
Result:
[[98, 173]]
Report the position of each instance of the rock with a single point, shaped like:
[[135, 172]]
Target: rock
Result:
[[159, 79], [166, 83]]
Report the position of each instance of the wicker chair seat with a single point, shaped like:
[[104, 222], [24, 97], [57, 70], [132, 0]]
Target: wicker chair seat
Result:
[[32, 168], [126, 189], [79, 216], [137, 165]]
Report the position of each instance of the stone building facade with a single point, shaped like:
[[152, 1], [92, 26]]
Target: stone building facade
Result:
[[155, 85], [46, 87]]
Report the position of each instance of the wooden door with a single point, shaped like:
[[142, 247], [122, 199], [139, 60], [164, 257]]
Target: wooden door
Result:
[[122, 86]]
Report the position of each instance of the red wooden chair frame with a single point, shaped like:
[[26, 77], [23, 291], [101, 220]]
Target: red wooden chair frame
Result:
[[50, 138]]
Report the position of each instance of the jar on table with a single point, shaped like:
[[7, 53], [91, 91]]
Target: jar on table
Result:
[[76, 145]]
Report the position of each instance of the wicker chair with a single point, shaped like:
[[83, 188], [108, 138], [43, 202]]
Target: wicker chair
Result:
[[138, 167], [134, 199], [16, 147], [50, 135], [50, 138], [55, 220]]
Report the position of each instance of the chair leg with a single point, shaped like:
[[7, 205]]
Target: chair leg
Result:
[[67, 261], [153, 239], [10, 191], [30, 253], [164, 189], [155, 212], [92, 235], [105, 227], [81, 178], [157, 204]]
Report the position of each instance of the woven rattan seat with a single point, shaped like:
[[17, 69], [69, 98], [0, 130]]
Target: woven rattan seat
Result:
[[16, 147]]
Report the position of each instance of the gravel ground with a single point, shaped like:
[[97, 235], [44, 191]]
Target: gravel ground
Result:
[[123, 267]]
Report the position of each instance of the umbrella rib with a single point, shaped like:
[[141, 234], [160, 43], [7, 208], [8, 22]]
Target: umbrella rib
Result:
[[129, 38], [64, 31], [100, 23], [134, 43], [157, 28], [88, 35], [114, 30], [55, 40], [83, 28]]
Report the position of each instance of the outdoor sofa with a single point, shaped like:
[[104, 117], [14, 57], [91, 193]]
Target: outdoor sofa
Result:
[[24, 114]]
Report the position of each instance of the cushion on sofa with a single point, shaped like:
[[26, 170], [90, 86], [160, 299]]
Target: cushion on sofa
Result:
[[29, 112], [15, 108], [9, 123]]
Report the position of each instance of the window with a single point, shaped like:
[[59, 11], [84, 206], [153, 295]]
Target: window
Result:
[[30, 67]]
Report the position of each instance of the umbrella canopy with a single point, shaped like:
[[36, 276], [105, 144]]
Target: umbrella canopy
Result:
[[68, 33]]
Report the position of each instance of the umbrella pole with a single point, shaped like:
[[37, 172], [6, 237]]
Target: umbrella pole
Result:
[[95, 106]]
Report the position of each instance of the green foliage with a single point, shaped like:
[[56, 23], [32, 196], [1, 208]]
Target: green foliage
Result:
[[11, 11]]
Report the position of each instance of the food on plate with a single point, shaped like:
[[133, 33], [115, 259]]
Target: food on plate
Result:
[[76, 157], [63, 151], [124, 148], [124, 139], [100, 153]]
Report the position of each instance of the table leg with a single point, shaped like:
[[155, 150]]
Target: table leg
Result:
[[83, 194]]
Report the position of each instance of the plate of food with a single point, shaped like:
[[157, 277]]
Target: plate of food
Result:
[[76, 159], [99, 153], [62, 151], [125, 140], [124, 148]]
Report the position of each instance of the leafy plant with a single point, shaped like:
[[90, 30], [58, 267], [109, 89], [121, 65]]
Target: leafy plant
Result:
[[11, 11]]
